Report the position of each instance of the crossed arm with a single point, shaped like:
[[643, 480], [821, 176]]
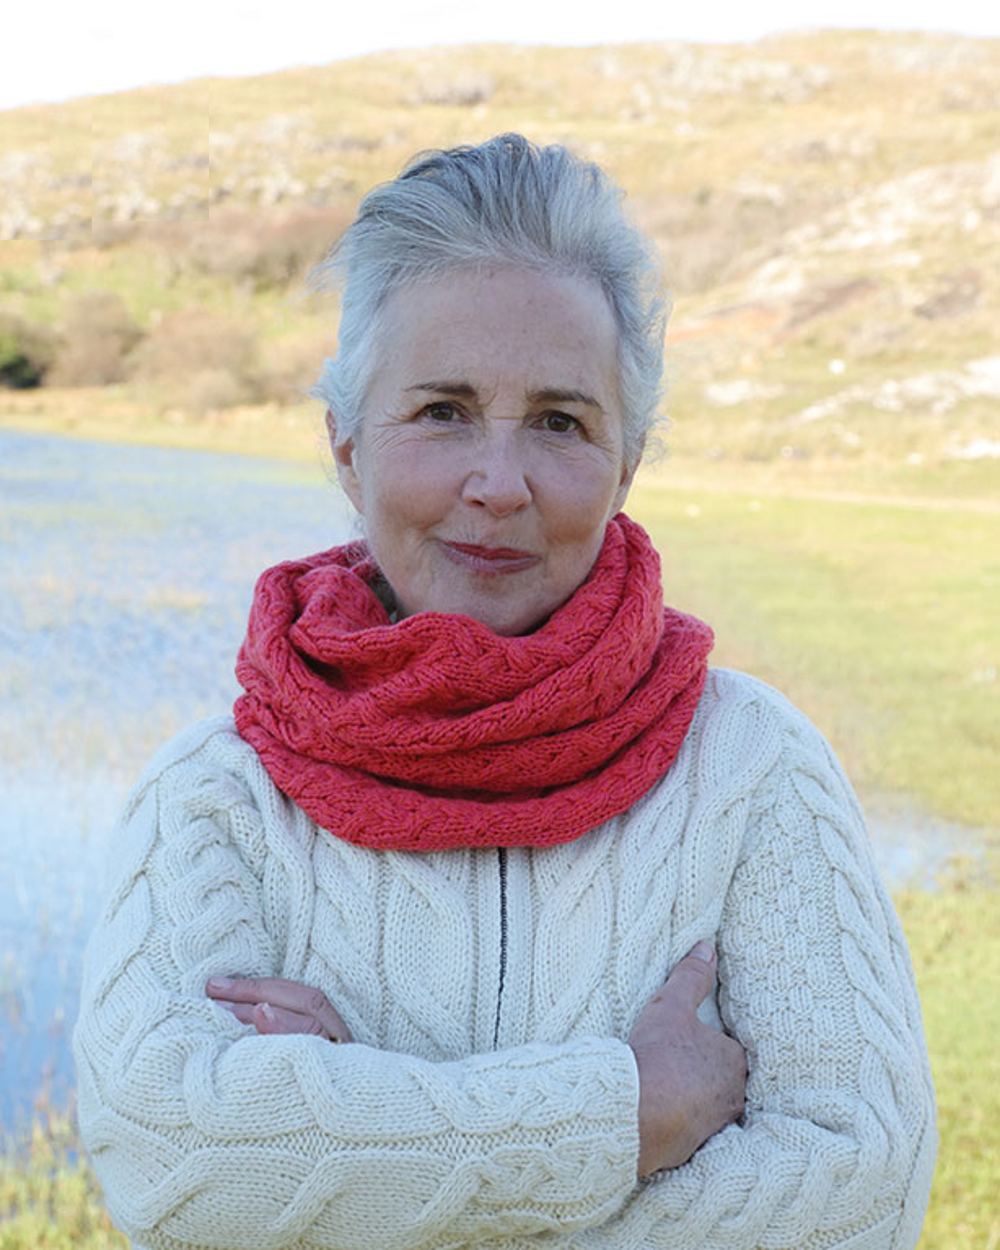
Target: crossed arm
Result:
[[204, 1134]]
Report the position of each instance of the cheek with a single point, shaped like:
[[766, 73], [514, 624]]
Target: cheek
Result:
[[407, 489], [581, 499]]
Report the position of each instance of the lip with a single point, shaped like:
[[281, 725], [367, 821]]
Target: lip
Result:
[[489, 559]]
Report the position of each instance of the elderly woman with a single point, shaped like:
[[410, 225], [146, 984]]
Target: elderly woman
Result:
[[595, 928]]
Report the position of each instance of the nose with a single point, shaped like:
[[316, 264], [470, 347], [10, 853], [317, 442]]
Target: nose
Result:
[[498, 478]]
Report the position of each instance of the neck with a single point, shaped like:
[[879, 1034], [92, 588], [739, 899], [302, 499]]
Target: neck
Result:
[[387, 597]]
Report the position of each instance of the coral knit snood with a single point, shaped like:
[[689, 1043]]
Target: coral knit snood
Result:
[[436, 733]]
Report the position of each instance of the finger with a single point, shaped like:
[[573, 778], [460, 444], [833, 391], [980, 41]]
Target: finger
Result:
[[270, 1019], [280, 992], [242, 1011], [693, 977]]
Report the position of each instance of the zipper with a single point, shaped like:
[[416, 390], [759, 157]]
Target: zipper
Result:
[[502, 861]]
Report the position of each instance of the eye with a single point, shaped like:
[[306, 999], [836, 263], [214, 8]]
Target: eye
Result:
[[560, 423], [441, 413]]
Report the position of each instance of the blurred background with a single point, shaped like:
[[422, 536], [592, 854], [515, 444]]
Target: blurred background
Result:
[[824, 187]]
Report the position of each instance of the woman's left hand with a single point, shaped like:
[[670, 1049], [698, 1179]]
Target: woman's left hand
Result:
[[277, 1005]]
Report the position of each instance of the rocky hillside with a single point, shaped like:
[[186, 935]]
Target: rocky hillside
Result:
[[827, 205]]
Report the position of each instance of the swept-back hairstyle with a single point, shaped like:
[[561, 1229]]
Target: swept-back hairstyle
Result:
[[509, 201]]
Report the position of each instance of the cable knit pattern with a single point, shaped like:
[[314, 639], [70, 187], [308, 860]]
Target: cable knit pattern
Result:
[[490, 1098], [436, 733]]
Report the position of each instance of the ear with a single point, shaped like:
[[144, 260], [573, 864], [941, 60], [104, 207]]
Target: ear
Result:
[[344, 459], [624, 486]]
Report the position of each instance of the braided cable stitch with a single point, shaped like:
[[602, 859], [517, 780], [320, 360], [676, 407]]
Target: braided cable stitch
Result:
[[204, 1133], [420, 1135]]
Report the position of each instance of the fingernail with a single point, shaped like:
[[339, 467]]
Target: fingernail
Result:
[[267, 1011], [703, 950], [221, 983]]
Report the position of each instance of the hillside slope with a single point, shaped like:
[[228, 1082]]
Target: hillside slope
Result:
[[827, 205]]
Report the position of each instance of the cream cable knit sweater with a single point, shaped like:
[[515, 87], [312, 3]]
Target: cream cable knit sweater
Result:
[[490, 1098]]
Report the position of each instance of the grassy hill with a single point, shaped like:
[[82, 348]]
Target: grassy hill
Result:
[[828, 210], [827, 205]]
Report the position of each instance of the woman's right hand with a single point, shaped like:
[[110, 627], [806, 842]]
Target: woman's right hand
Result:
[[692, 1078]]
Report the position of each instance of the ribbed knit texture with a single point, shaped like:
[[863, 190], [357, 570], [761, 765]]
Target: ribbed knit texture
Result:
[[436, 733], [465, 1114]]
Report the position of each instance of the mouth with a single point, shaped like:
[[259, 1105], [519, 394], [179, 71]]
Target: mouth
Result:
[[489, 559]]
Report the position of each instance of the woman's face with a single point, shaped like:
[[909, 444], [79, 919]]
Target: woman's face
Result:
[[490, 453]]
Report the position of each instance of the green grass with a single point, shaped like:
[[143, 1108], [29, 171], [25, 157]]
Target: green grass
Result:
[[877, 618], [49, 1201], [955, 943]]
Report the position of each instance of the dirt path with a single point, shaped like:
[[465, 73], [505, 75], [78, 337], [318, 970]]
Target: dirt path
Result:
[[925, 504], [779, 490]]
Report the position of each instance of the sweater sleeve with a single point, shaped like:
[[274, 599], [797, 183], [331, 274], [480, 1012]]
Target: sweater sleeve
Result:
[[837, 1143], [205, 1134]]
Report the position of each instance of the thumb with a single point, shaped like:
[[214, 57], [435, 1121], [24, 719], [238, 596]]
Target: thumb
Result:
[[693, 977]]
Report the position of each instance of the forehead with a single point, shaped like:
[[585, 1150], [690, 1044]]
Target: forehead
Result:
[[501, 325]]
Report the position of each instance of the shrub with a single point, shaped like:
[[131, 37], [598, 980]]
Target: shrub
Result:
[[208, 390], [98, 332], [263, 251], [206, 360], [27, 351], [192, 340], [292, 365]]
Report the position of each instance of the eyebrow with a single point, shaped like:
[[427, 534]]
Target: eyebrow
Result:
[[547, 395]]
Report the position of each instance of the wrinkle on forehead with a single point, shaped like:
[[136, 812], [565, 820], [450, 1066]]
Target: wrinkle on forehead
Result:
[[504, 343]]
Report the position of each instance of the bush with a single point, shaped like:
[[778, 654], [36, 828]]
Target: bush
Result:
[[208, 390], [263, 252], [98, 332], [293, 364], [192, 340], [27, 351], [206, 360]]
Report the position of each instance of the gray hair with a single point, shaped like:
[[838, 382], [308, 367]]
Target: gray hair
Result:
[[505, 200]]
